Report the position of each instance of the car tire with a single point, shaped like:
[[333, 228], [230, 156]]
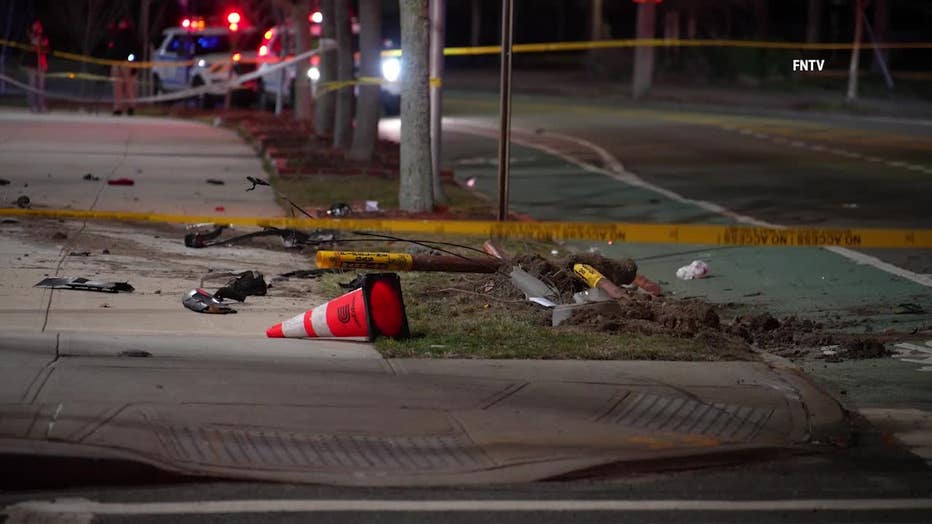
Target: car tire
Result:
[[202, 101], [158, 89]]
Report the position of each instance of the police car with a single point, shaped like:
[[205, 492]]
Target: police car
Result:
[[205, 56], [280, 41]]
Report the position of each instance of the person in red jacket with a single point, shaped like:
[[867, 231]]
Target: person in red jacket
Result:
[[35, 62]]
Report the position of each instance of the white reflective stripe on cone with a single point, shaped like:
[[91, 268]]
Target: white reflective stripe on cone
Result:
[[294, 327], [319, 321]]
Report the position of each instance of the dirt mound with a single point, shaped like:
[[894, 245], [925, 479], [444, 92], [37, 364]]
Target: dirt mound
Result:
[[559, 272], [862, 348], [648, 315]]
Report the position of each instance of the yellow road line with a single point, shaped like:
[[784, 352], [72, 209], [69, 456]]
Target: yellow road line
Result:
[[598, 231]]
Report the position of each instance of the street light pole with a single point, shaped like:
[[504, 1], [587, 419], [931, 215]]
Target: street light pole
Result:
[[504, 139]]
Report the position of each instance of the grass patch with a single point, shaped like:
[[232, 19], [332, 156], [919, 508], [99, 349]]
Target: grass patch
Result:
[[497, 324]]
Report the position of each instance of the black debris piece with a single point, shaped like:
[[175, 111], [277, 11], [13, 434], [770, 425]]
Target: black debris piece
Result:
[[247, 283], [200, 301], [203, 238], [909, 309], [58, 235], [91, 178], [9, 220], [4, 182], [23, 202], [356, 283], [84, 284], [306, 273], [215, 181], [105, 252], [255, 181], [79, 254]]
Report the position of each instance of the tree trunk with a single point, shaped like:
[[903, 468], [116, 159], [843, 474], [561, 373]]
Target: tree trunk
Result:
[[302, 85], [644, 55], [855, 51], [438, 23], [144, 26], [367, 106], [475, 24], [814, 21], [6, 36], [881, 33], [324, 104], [596, 20], [343, 119], [415, 192]]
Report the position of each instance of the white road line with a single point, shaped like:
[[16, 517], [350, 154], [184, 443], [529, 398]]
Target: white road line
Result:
[[204, 507], [862, 258], [617, 171]]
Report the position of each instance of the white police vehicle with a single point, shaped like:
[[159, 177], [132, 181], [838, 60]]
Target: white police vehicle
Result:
[[279, 37], [205, 56]]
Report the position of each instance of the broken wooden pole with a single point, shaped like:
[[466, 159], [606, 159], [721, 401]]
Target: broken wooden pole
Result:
[[404, 262], [595, 279]]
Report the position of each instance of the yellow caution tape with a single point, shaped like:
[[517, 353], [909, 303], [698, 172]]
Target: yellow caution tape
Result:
[[588, 273], [364, 260], [546, 47], [543, 47], [597, 231], [79, 76]]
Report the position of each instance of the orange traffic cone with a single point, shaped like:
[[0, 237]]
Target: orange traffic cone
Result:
[[376, 309]]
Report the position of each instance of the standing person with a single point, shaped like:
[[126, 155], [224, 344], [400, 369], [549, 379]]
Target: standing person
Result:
[[36, 63], [123, 47]]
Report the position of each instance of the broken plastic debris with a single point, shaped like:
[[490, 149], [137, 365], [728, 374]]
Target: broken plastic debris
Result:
[[533, 288], [471, 182], [200, 301], [372, 205], [697, 269], [90, 177], [220, 209], [590, 296], [121, 182], [85, 284], [339, 210], [247, 283]]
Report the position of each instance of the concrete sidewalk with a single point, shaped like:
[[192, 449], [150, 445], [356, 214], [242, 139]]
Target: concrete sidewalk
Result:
[[264, 411], [46, 157]]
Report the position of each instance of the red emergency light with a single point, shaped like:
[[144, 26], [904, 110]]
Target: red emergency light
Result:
[[234, 19]]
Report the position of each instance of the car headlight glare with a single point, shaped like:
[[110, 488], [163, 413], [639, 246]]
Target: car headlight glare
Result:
[[391, 69]]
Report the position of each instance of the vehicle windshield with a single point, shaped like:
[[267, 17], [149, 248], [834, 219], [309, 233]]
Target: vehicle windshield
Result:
[[209, 44]]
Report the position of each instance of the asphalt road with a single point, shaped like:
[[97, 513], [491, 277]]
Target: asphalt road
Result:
[[870, 470]]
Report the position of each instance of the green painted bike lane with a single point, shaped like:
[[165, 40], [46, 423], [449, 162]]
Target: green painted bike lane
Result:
[[810, 282], [807, 282]]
